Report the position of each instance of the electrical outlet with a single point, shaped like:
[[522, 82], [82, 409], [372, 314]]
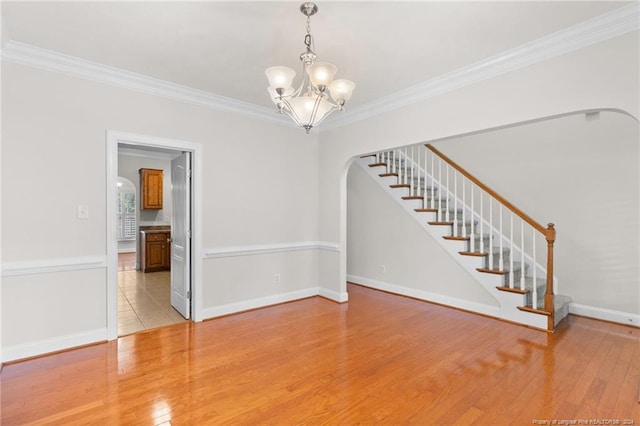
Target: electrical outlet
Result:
[[83, 211], [383, 269], [276, 279]]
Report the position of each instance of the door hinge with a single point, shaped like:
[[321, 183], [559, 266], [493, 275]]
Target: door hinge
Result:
[[189, 233], [189, 173], [188, 294]]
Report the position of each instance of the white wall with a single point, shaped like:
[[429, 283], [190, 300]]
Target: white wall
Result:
[[603, 75], [260, 188]]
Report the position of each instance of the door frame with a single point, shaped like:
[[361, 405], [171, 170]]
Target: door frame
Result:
[[113, 138]]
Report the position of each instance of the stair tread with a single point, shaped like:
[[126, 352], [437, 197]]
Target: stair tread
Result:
[[512, 290], [473, 253], [378, 165], [451, 237], [388, 174], [426, 210], [529, 308], [412, 197], [440, 223], [400, 185], [492, 271]]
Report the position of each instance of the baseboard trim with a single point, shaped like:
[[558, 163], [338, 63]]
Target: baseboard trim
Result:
[[492, 311], [334, 295], [261, 302], [29, 267], [252, 250], [54, 344], [605, 314]]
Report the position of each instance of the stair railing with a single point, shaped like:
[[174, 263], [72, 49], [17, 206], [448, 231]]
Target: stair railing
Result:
[[454, 195]]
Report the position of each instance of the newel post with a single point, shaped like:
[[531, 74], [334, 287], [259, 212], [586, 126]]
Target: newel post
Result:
[[550, 235]]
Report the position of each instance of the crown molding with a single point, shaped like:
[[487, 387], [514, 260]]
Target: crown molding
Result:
[[612, 24], [49, 60], [617, 22]]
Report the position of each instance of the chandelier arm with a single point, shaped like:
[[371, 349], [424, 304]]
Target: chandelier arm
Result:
[[291, 112], [314, 112], [326, 115]]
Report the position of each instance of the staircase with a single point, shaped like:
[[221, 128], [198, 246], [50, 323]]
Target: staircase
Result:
[[506, 251]]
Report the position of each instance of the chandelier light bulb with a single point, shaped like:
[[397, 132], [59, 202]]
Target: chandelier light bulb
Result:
[[321, 73], [280, 77], [341, 90]]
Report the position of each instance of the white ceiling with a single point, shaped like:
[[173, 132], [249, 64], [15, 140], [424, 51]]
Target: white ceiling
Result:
[[224, 47]]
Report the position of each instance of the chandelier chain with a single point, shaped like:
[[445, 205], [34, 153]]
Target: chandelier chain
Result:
[[308, 39]]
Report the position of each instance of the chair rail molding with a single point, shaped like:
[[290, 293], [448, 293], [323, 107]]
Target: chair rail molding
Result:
[[252, 250], [45, 266]]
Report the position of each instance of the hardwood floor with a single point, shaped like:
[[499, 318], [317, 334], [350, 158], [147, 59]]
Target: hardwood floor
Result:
[[379, 359]]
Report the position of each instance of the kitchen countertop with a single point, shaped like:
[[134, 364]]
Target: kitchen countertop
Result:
[[155, 229]]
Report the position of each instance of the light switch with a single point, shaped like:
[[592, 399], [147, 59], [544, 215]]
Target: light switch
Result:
[[83, 211]]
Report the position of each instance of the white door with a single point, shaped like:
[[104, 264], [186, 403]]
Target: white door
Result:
[[181, 234]]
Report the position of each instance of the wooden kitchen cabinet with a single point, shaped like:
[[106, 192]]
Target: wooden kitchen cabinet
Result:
[[151, 189], [155, 251]]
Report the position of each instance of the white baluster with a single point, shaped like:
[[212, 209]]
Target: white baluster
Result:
[[511, 254], [412, 184], [481, 222], [522, 253], [418, 188], [448, 194], [387, 162], [406, 164], [455, 203], [501, 260], [490, 232], [426, 172], [439, 189], [393, 161], [533, 265], [464, 210], [472, 236], [433, 183]]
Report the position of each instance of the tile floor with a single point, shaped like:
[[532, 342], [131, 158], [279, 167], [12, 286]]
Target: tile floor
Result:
[[143, 299]]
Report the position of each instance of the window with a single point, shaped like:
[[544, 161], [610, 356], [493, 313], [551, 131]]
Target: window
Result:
[[126, 210]]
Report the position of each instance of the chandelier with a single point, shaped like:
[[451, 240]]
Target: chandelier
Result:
[[309, 104]]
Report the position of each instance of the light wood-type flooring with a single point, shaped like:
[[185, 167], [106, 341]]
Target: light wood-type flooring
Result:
[[144, 299], [378, 359]]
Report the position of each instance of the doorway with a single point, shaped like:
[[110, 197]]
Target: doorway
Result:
[[145, 249], [150, 292]]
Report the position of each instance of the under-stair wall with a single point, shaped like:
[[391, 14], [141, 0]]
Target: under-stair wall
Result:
[[400, 258]]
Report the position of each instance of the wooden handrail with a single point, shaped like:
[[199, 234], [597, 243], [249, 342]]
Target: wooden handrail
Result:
[[490, 191], [549, 232]]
